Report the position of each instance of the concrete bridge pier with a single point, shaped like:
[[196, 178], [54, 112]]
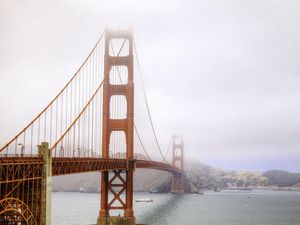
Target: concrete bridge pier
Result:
[[177, 184], [116, 220], [45, 153]]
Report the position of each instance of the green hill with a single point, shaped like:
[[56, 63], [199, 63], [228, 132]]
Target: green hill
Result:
[[282, 178], [203, 176]]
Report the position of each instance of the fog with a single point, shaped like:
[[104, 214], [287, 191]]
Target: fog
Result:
[[224, 74]]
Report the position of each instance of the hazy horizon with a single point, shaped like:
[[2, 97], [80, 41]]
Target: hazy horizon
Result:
[[224, 74]]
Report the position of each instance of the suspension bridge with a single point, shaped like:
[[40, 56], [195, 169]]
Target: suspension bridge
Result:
[[89, 126]]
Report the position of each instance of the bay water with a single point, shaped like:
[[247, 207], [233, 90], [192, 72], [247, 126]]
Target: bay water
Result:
[[256, 207]]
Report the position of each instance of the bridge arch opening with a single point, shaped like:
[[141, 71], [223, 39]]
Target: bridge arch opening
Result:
[[118, 107], [178, 152], [118, 75], [178, 164], [117, 145], [119, 46], [178, 140]]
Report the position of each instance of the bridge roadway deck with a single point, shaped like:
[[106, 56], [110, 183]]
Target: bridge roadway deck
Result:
[[63, 166]]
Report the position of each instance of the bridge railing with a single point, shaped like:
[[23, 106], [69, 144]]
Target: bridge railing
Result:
[[19, 156]]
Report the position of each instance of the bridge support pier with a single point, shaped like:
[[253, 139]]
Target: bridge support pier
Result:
[[116, 220], [177, 184], [45, 153]]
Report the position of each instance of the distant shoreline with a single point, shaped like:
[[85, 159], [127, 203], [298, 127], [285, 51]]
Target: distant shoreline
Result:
[[269, 188], [241, 190]]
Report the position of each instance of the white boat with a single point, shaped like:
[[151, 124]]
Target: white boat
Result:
[[144, 200]]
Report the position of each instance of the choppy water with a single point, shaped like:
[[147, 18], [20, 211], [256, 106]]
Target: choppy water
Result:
[[212, 208]]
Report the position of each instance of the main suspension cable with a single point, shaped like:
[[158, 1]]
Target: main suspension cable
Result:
[[146, 102]]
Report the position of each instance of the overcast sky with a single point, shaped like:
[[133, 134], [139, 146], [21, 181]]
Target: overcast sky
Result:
[[224, 74]]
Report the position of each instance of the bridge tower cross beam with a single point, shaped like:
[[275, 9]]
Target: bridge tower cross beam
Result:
[[109, 125], [178, 161]]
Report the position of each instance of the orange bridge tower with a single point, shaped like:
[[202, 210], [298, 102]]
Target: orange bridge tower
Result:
[[118, 183], [178, 161]]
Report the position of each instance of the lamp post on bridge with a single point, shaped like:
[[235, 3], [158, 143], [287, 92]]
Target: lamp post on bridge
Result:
[[78, 152], [61, 151], [22, 149]]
